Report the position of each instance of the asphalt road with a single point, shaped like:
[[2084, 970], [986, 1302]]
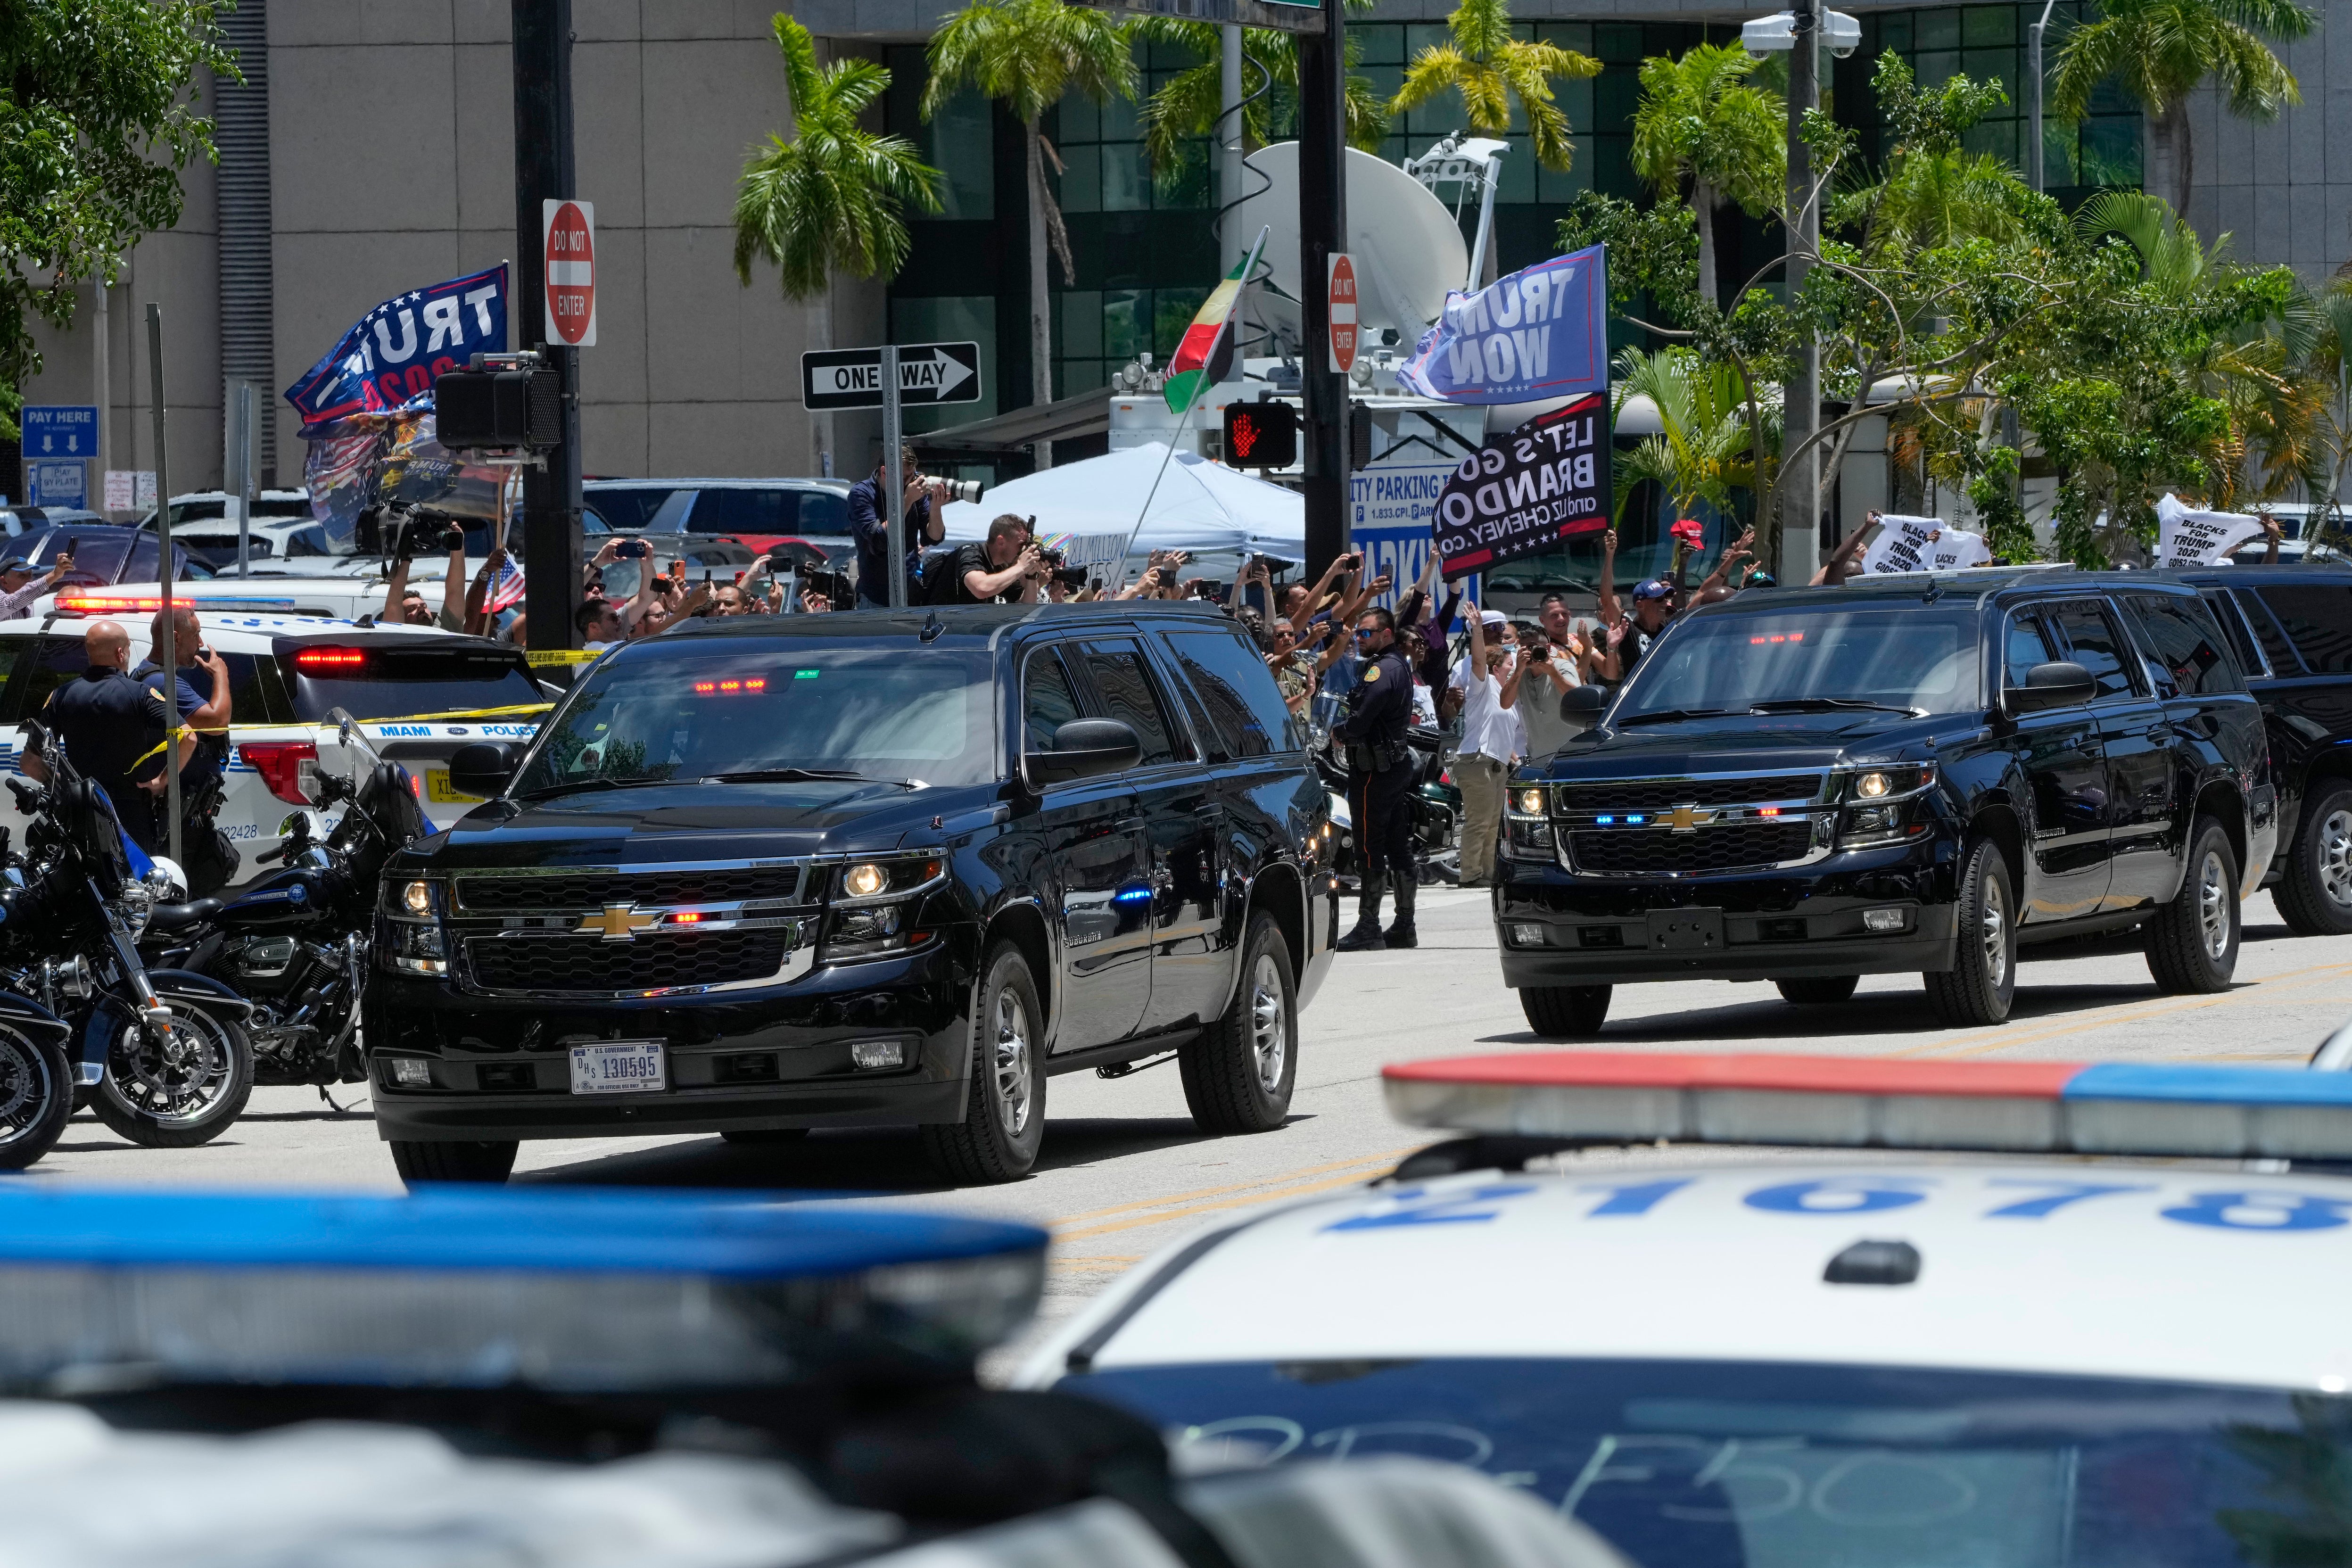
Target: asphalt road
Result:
[[1124, 1173]]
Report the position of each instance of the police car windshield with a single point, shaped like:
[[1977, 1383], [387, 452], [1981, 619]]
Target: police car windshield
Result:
[[709, 708], [378, 683], [1735, 1465], [1916, 656]]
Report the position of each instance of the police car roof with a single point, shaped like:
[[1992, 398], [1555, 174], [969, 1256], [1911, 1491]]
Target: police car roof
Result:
[[2210, 1276]]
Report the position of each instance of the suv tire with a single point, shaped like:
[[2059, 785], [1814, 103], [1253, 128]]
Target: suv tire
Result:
[[2315, 896], [2192, 943], [1004, 1093], [491, 1161], [1817, 990], [1982, 982], [1573, 1012], [1238, 1074]]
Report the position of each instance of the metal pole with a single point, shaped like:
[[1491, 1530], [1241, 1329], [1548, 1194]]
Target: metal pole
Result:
[[1481, 264], [1229, 143], [244, 453], [100, 392], [894, 483], [168, 654], [1800, 505], [2034, 174], [544, 171], [1322, 224]]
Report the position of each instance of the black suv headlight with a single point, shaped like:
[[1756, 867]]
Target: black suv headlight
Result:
[[1883, 805], [413, 907], [1527, 833], [871, 905]]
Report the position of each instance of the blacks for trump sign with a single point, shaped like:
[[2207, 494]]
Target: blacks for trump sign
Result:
[[1546, 481]]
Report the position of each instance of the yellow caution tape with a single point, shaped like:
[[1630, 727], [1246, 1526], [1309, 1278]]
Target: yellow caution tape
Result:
[[180, 732], [562, 656]]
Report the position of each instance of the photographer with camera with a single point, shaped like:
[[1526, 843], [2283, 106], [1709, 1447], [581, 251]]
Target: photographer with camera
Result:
[[602, 622], [924, 506], [1006, 569], [406, 605]]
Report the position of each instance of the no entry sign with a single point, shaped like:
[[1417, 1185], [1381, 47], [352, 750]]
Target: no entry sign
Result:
[[568, 241], [1343, 312]]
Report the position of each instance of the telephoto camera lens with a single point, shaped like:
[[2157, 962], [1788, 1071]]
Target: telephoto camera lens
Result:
[[964, 489]]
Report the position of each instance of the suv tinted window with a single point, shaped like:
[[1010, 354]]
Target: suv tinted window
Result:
[[1124, 683], [824, 512], [2091, 642], [2026, 646], [1246, 707], [630, 510], [2318, 618], [2184, 653], [1047, 702], [2233, 626], [54, 661], [746, 511]]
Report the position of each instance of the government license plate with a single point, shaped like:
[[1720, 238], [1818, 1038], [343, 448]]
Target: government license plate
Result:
[[619, 1067], [441, 792]]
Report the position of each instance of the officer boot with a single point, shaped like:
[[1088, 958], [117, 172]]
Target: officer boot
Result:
[[1402, 934], [1366, 936]]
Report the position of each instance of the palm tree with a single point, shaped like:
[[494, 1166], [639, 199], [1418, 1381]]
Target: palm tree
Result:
[[1700, 125], [1931, 199], [1701, 452], [831, 197], [1493, 71], [2158, 50], [1189, 102], [1029, 52]]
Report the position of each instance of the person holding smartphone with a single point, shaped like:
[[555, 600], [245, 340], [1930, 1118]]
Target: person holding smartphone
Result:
[[602, 622], [19, 587]]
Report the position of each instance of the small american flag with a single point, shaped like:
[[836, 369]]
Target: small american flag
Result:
[[506, 589]]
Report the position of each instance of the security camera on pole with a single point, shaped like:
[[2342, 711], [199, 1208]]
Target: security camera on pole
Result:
[[1801, 495]]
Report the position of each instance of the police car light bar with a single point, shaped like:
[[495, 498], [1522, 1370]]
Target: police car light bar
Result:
[[72, 604], [2071, 1108], [579, 1291]]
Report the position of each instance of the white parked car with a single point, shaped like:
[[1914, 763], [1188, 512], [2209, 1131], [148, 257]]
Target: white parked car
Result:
[[2037, 1353], [292, 681]]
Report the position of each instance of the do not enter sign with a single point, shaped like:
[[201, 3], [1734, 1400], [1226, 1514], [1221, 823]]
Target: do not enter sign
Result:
[[1344, 336], [568, 241]]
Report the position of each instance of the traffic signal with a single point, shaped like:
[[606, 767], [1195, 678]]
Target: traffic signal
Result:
[[1261, 434], [499, 408]]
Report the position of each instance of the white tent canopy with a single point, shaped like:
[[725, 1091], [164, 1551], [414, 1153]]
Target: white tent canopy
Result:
[[1200, 506]]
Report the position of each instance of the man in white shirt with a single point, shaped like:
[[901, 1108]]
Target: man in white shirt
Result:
[[1490, 743], [19, 587]]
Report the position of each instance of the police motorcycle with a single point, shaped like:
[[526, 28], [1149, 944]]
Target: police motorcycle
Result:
[[161, 1054], [295, 942]]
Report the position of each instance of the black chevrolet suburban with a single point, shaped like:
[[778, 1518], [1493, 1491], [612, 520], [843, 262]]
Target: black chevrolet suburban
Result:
[[1811, 784], [758, 876]]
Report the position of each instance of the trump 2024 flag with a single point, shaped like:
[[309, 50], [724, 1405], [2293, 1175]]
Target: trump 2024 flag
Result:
[[1205, 357]]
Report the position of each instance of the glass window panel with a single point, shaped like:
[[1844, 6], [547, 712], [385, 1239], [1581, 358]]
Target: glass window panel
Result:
[[1557, 188], [1989, 25], [1575, 99], [1078, 330], [1083, 375], [1420, 36], [1519, 171], [1119, 122], [959, 142], [1383, 42], [1577, 36], [1895, 32], [1082, 178], [1938, 29], [1936, 67], [1618, 43], [961, 319], [1440, 115], [1385, 78], [1080, 121], [1123, 311], [2059, 163], [1126, 177], [1172, 311], [2000, 138], [2001, 65]]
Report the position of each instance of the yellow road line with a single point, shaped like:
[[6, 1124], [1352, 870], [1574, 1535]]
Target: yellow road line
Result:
[[1981, 1041]]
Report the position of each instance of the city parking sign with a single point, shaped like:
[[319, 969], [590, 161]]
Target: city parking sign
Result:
[[60, 431]]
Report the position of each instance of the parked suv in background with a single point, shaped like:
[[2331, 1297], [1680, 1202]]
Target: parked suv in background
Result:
[[1810, 784], [759, 875], [2292, 629], [756, 513]]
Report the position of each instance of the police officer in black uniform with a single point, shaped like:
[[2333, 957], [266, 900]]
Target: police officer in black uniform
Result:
[[1379, 784], [109, 724]]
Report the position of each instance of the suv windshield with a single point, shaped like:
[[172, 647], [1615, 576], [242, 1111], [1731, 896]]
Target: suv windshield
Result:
[[1745, 1465], [374, 681], [1914, 657], [728, 707]]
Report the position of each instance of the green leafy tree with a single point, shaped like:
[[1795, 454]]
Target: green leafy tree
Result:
[[1704, 133], [1703, 450], [2159, 50], [97, 120], [1494, 71], [832, 196], [1189, 103], [1028, 54]]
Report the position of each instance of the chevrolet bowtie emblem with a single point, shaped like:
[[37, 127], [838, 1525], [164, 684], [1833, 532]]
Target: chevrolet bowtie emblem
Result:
[[621, 923], [1688, 818]]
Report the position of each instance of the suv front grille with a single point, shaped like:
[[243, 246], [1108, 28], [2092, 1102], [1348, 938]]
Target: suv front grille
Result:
[[561, 962], [1731, 845], [594, 889], [1664, 795]]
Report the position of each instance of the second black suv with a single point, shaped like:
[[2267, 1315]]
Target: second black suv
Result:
[[1811, 784], [757, 875]]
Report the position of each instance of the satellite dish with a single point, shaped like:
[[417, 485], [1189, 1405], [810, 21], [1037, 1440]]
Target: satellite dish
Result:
[[1408, 249]]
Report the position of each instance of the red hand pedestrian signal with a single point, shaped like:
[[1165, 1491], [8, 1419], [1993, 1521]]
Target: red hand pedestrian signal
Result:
[[1261, 434]]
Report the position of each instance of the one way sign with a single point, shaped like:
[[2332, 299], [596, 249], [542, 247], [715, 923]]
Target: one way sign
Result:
[[928, 373]]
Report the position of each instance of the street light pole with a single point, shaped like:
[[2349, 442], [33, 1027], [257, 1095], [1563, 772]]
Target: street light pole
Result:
[[2033, 170], [1800, 507]]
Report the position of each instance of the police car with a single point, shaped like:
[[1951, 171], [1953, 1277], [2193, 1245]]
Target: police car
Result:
[[2114, 1333], [412, 694]]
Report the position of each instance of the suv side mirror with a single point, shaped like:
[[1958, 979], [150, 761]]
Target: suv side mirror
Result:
[[483, 767], [1585, 701], [1082, 749], [2062, 684]]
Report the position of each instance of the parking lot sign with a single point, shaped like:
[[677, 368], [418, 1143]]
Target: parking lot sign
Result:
[[57, 484], [60, 431]]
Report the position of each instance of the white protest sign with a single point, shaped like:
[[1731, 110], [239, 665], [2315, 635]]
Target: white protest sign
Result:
[[1902, 543], [2188, 538], [1954, 551]]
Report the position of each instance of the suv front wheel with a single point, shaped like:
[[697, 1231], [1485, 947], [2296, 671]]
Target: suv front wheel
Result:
[[1239, 1073], [1982, 982], [1005, 1095], [2315, 897], [2192, 943]]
